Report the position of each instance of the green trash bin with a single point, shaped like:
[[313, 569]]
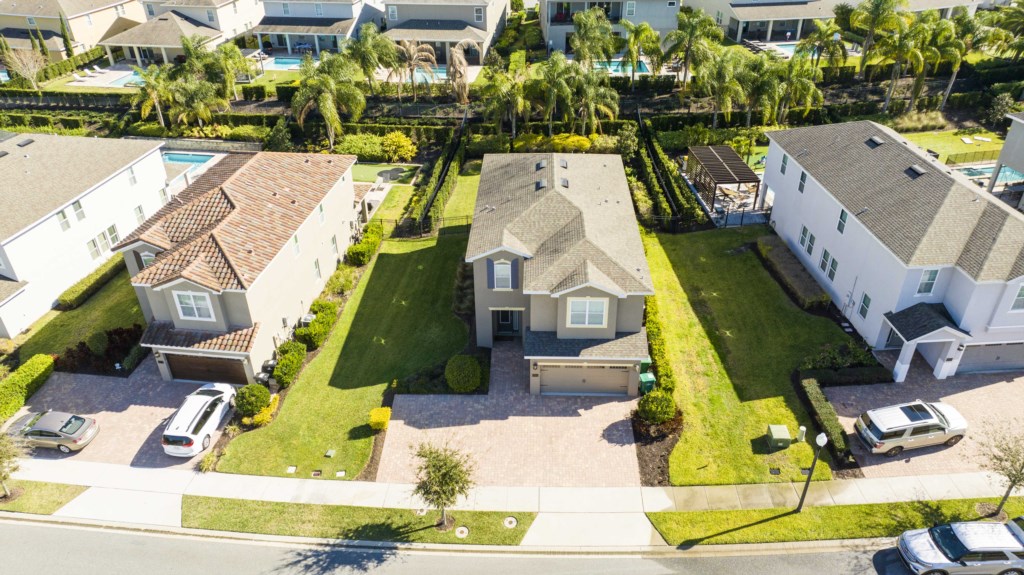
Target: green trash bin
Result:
[[647, 381], [645, 365]]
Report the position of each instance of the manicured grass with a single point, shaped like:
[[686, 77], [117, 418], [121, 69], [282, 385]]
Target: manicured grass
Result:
[[368, 172], [273, 77], [393, 207], [352, 523], [733, 338], [115, 305], [64, 85], [949, 142], [40, 498], [815, 523], [463, 199]]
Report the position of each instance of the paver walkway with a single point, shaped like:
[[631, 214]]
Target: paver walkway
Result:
[[517, 439]]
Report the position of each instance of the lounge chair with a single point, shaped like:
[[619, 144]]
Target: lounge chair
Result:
[[79, 78], [90, 73], [97, 69]]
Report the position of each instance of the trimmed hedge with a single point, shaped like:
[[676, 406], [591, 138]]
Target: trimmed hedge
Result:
[[315, 334], [791, 273], [826, 419], [257, 92], [251, 399], [480, 144], [285, 92], [686, 201], [360, 253], [656, 407], [848, 376], [462, 373], [290, 356], [648, 179], [379, 418], [666, 379], [77, 294], [17, 387]]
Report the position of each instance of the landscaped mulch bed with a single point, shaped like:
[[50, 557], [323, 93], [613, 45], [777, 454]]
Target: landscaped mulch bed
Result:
[[654, 444]]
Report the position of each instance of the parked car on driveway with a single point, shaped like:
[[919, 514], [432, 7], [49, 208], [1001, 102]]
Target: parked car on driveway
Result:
[[191, 428], [891, 430], [57, 430], [976, 547]]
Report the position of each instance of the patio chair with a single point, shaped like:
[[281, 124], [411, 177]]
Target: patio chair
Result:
[[97, 69], [90, 73], [79, 78]]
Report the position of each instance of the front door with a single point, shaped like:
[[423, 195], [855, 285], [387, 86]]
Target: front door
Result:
[[507, 322]]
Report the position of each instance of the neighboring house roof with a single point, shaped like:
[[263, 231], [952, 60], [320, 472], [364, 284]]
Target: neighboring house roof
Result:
[[289, 25], [755, 10], [165, 30], [18, 39], [9, 287], [224, 229], [45, 176], [435, 31], [540, 344], [583, 234], [197, 3], [920, 320], [163, 334], [361, 190], [54, 8], [436, 2], [929, 219]]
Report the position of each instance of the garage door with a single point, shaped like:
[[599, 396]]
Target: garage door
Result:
[[199, 368], [1004, 356], [579, 380]]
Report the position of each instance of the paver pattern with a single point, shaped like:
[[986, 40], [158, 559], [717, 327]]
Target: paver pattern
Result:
[[132, 413], [982, 398], [517, 439]]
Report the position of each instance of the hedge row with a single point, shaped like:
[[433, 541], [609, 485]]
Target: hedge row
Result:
[[792, 274], [290, 356], [417, 203], [17, 387], [644, 83], [451, 180], [825, 417], [315, 334], [686, 201], [678, 141], [361, 252], [848, 376], [650, 181], [76, 295], [666, 379], [41, 120]]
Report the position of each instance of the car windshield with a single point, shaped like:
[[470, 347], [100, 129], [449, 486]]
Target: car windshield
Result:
[[947, 542], [208, 392], [940, 415], [72, 425], [870, 426]]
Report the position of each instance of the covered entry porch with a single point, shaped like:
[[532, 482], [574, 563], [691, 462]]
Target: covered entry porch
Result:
[[302, 35], [926, 328]]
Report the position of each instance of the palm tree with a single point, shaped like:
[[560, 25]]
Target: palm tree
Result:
[[505, 97], [415, 56], [195, 100], [973, 34], [557, 77], [231, 62], [717, 78], [694, 39], [760, 81], [329, 89], [592, 38], [798, 85], [641, 40], [154, 89], [939, 44], [594, 98], [875, 16], [372, 50], [903, 47], [458, 69], [825, 40], [196, 58]]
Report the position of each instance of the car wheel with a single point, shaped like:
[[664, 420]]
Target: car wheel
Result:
[[64, 448], [206, 442], [1012, 572], [935, 573], [953, 441], [894, 452]]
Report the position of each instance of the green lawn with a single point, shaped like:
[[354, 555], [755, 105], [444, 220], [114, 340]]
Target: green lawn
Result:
[[368, 172], [40, 498], [815, 523], [949, 142], [463, 200], [353, 523], [733, 338], [115, 305]]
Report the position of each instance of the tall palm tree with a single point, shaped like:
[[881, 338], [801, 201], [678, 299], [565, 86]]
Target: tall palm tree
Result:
[[939, 44], [230, 62], [903, 47], [874, 16], [973, 34], [372, 50], [557, 77], [798, 85], [415, 56], [641, 40], [594, 98], [694, 39], [717, 78], [458, 69], [154, 90], [195, 100], [505, 97], [824, 41], [759, 79], [592, 37], [197, 57], [329, 89]]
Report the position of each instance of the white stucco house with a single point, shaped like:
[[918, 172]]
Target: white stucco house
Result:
[[1012, 154], [65, 202], [916, 257], [291, 27], [557, 24]]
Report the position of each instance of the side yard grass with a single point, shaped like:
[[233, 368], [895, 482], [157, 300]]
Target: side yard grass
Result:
[[733, 339], [343, 522], [368, 172], [40, 498], [815, 523], [949, 142]]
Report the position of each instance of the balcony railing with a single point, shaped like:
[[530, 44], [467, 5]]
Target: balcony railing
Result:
[[561, 13]]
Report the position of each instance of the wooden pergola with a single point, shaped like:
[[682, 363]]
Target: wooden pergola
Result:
[[710, 167]]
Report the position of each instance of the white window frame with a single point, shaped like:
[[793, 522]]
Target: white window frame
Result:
[[587, 312], [334, 245], [79, 210], [506, 266], [865, 305], [316, 268], [392, 12], [286, 9], [928, 277], [112, 235], [94, 248], [631, 8], [147, 258], [478, 14], [193, 296], [1018, 301], [785, 162], [833, 267], [823, 261], [104, 241], [804, 232], [320, 213], [140, 214], [119, 9], [150, 10], [810, 245], [803, 182], [62, 219], [132, 178], [295, 244], [210, 16], [843, 216], [318, 9]]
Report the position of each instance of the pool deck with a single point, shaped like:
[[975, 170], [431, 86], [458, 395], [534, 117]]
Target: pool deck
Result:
[[471, 75], [104, 78]]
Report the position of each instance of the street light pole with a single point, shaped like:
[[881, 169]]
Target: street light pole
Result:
[[820, 441]]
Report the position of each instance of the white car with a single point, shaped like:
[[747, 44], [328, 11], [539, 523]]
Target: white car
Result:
[[891, 430], [191, 428]]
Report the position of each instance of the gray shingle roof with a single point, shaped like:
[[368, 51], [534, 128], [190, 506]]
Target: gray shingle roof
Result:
[[572, 236], [921, 319], [290, 25], [436, 31], [752, 10], [539, 344], [166, 30], [933, 219], [9, 287], [53, 8]]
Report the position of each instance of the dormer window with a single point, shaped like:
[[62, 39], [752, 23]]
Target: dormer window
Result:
[[147, 259]]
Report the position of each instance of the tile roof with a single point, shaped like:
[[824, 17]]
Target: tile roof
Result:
[[575, 235], [223, 230], [165, 31], [360, 190], [539, 344], [163, 334], [930, 219], [920, 320]]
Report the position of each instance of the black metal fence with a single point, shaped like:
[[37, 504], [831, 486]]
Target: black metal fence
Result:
[[415, 228]]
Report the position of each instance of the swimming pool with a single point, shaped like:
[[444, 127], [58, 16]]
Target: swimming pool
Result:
[[1006, 175], [622, 67], [186, 158], [4, 76], [132, 78], [283, 63], [789, 48], [440, 75]]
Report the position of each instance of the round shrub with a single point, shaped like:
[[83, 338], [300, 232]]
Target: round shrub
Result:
[[656, 407], [462, 373], [251, 399]]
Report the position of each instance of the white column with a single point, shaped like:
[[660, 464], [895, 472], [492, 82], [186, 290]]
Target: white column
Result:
[[948, 360], [739, 32], [110, 55], [137, 53], [995, 176], [768, 32], [316, 44], [799, 28], [288, 42], [163, 53], [899, 373]]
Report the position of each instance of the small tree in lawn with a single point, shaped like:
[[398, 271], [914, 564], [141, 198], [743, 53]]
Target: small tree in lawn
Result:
[[1002, 453], [397, 146], [11, 450], [444, 475]]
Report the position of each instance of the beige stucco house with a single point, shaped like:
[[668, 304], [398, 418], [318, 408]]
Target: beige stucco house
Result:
[[558, 263], [227, 268], [444, 23], [88, 22]]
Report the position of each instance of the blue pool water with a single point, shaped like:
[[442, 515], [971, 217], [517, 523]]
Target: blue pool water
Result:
[[282, 63], [788, 47], [1006, 175], [621, 67], [440, 75], [4, 76], [122, 81], [183, 158]]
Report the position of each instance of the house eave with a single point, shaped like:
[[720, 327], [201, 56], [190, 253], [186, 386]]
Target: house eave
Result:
[[471, 259]]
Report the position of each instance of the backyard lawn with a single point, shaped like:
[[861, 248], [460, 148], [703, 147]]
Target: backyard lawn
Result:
[[368, 172], [949, 142], [733, 338]]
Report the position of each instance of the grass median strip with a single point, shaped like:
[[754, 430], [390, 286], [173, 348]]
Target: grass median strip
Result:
[[816, 523], [346, 522], [39, 498]]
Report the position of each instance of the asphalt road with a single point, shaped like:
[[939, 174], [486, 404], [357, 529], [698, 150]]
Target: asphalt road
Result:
[[34, 548]]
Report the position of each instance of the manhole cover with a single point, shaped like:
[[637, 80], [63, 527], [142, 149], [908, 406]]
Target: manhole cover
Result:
[[462, 532], [292, 469], [805, 471], [510, 522], [775, 471], [317, 473]]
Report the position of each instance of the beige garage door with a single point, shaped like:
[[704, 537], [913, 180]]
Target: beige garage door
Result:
[[580, 380], [1006, 356]]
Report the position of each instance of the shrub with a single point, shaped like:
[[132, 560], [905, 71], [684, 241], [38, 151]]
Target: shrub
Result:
[[251, 399], [368, 147], [867, 375], [825, 417], [656, 407], [134, 358], [285, 92], [793, 275], [248, 134], [280, 138], [480, 144], [77, 294], [396, 146], [71, 123], [341, 281], [40, 121], [209, 462], [361, 252], [265, 415], [147, 130], [256, 92], [20, 385], [839, 356], [379, 418], [315, 334], [919, 122], [656, 342], [462, 373], [603, 144], [290, 356]]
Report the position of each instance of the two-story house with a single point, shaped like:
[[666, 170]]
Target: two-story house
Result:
[[558, 263], [87, 22], [227, 268], [1011, 157], [444, 23], [556, 17], [65, 201], [915, 257], [313, 25]]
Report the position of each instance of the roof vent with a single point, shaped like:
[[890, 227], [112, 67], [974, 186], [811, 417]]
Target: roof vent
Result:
[[294, 202], [307, 161], [542, 183], [915, 171], [542, 164], [874, 141], [564, 163], [24, 143], [564, 182], [2, 153]]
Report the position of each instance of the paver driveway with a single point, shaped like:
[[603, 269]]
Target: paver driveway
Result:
[[981, 398], [517, 439], [132, 414]]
